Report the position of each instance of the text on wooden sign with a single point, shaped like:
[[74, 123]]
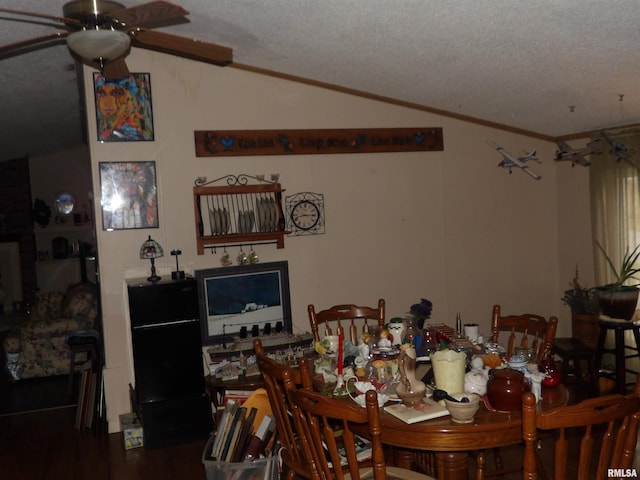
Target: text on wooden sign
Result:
[[222, 143]]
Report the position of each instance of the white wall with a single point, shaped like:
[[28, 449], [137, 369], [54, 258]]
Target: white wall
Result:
[[448, 225]]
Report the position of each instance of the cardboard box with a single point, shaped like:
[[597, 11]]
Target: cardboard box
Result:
[[131, 431]]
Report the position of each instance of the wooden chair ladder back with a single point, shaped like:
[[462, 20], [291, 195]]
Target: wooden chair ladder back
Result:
[[323, 420], [535, 332], [332, 319], [273, 374], [609, 429]]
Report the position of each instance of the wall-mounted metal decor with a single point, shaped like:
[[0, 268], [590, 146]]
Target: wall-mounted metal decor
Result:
[[231, 211], [221, 143], [305, 213]]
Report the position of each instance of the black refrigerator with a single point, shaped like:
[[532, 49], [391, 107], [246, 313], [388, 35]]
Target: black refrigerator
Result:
[[169, 393]]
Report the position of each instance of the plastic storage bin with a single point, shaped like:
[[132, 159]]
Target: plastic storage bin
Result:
[[261, 469]]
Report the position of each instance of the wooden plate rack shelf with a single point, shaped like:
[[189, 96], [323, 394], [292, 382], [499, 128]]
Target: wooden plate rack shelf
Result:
[[232, 211]]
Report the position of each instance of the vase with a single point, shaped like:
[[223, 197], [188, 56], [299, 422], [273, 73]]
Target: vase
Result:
[[410, 390], [414, 334], [553, 374]]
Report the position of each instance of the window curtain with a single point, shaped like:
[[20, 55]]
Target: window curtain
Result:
[[615, 202]]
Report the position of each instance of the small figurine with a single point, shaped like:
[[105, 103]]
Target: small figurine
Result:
[[536, 378], [384, 340], [396, 329]]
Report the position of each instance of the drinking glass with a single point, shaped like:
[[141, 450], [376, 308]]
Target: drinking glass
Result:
[[429, 342]]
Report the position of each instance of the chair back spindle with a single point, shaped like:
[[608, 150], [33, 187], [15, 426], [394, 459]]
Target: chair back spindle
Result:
[[332, 319], [273, 374], [326, 425], [603, 429], [543, 333], [534, 330]]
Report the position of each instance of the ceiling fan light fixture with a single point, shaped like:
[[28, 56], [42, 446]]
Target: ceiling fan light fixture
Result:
[[98, 45]]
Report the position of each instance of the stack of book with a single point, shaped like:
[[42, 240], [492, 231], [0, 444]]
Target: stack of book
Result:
[[239, 396], [86, 408], [237, 439]]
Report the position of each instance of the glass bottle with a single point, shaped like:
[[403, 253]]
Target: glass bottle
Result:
[[409, 331], [429, 341]]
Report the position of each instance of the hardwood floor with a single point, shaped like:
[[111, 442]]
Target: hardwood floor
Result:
[[45, 446], [36, 394]]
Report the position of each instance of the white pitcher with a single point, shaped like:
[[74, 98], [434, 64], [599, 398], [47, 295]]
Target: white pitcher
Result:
[[448, 370]]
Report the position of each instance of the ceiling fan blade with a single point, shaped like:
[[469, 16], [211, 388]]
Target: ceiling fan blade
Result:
[[67, 21], [149, 15], [116, 69], [182, 47], [35, 42]]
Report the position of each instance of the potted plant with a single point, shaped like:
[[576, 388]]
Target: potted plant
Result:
[[585, 311], [619, 299]]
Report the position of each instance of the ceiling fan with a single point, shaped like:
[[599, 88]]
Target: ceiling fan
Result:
[[101, 32]]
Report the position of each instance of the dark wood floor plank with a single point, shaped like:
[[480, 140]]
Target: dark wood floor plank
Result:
[[45, 446]]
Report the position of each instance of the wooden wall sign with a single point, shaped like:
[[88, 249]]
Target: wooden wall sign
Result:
[[223, 143]]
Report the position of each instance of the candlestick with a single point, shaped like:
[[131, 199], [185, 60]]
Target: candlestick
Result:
[[341, 387], [340, 347]]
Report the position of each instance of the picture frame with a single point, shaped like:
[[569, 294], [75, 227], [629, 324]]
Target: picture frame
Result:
[[128, 195], [231, 298], [124, 110]]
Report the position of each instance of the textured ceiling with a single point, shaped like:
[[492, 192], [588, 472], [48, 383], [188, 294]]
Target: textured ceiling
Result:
[[518, 64]]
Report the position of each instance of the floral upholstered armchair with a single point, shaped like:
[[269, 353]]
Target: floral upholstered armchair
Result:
[[37, 346]]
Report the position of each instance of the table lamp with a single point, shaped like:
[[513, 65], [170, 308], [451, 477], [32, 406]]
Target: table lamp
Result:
[[151, 250]]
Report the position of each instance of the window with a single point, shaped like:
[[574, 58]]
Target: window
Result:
[[615, 199]]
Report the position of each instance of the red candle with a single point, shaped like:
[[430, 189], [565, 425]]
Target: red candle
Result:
[[340, 341]]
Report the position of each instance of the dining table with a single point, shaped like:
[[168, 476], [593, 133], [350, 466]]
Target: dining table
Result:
[[451, 442]]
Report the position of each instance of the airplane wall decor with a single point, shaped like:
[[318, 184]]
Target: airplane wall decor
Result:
[[577, 156], [509, 161], [620, 151]]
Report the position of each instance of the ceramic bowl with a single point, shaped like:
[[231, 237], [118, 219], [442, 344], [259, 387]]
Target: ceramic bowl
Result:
[[361, 399], [463, 412], [360, 390]]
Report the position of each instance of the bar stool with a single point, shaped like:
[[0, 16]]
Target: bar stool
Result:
[[79, 343], [573, 353], [619, 327]]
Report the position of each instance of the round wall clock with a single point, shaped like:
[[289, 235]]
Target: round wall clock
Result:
[[305, 213]]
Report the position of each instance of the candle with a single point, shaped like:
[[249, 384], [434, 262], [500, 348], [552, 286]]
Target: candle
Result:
[[340, 347]]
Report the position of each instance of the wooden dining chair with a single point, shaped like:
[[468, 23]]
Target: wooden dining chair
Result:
[[328, 439], [603, 430], [338, 317], [526, 331], [273, 375]]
